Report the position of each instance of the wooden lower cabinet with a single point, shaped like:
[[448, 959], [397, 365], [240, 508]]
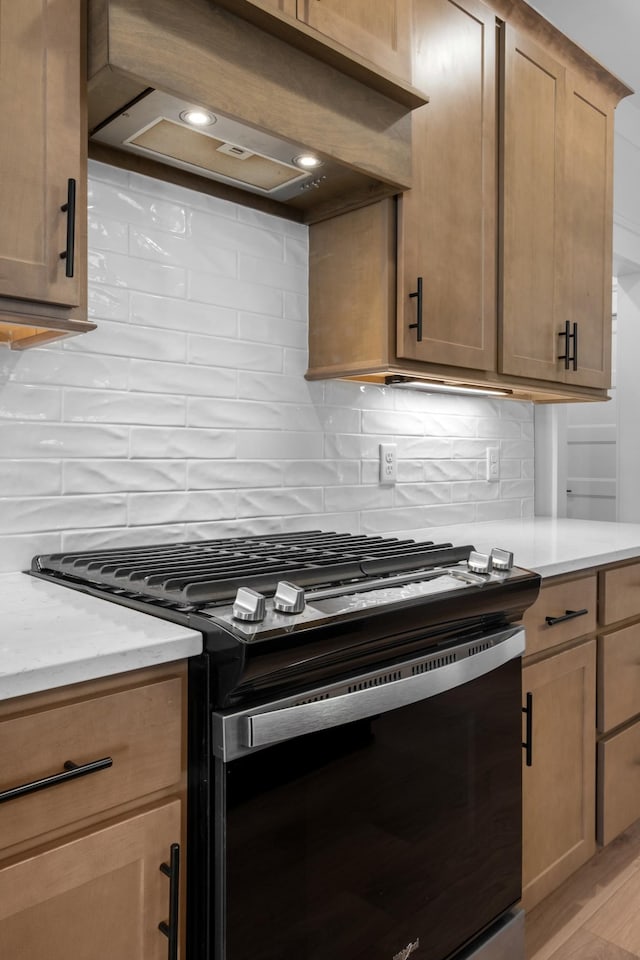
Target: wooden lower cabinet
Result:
[[81, 856], [559, 786], [96, 896]]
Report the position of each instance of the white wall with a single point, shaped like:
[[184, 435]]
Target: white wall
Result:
[[186, 414], [629, 397]]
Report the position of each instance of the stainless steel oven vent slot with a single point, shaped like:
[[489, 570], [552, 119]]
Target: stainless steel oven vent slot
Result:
[[375, 681], [323, 696], [433, 664], [478, 648]]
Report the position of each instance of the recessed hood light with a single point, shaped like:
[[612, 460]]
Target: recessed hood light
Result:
[[197, 118], [426, 386], [307, 161]]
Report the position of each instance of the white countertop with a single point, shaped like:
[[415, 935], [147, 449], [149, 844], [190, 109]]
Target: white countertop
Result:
[[52, 636], [546, 545]]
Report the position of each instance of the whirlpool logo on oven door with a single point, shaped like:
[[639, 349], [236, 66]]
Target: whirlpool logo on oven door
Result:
[[408, 950]]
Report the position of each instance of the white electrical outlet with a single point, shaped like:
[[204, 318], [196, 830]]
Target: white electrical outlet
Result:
[[388, 463], [493, 464]]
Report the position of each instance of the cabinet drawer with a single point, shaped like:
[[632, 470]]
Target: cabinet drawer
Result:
[[618, 783], [138, 728], [620, 593], [618, 677], [558, 601]]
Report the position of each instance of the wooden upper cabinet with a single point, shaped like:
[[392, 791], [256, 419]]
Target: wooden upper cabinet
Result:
[[379, 32], [447, 225], [557, 219], [589, 228], [39, 110], [532, 162], [43, 148]]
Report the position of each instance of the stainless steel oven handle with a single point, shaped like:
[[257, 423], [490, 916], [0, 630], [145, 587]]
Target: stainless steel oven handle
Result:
[[262, 729]]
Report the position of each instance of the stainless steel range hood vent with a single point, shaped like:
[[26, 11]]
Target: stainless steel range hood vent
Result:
[[224, 150]]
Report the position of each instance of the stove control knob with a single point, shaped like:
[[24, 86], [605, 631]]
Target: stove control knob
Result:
[[288, 598], [249, 605], [502, 559], [479, 562]]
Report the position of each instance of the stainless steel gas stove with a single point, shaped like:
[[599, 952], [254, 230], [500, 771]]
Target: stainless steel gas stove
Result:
[[355, 739]]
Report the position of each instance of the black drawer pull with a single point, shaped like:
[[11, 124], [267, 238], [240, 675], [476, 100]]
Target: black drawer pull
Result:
[[568, 615], [70, 209], [527, 745], [417, 326], [71, 772], [170, 930]]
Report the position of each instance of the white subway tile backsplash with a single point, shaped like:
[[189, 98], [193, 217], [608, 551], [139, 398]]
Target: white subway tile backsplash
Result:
[[178, 251], [112, 476], [23, 401], [27, 514], [213, 351], [109, 406], [127, 340], [264, 503], [181, 443], [182, 315], [233, 474], [187, 414], [241, 294], [30, 440], [30, 478], [161, 508], [288, 333], [150, 376], [108, 303]]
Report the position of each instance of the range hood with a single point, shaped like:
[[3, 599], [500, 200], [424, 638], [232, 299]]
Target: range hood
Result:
[[156, 125], [152, 61]]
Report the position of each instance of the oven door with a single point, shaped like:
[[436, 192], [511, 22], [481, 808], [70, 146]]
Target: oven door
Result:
[[377, 823]]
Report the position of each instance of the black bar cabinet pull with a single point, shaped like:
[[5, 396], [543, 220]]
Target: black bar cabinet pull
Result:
[[574, 337], [417, 326], [568, 615], [527, 744], [70, 209], [170, 930], [71, 772], [567, 336]]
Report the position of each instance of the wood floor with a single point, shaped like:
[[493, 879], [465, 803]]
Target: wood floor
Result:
[[595, 915]]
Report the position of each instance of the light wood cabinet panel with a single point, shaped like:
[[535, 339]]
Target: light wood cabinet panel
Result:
[[447, 232], [532, 239], [96, 896], [618, 783], [558, 601], [80, 860], [588, 214], [140, 729], [42, 148], [559, 787], [378, 31], [618, 677], [619, 596]]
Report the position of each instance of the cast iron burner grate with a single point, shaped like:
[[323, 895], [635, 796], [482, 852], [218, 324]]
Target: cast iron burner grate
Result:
[[211, 571]]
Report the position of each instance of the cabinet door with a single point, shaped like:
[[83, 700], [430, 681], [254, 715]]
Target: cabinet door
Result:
[[447, 220], [40, 111], [378, 31], [559, 786], [589, 227], [532, 162], [96, 896]]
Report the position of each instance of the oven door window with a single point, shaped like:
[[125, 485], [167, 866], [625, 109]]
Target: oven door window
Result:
[[355, 842]]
